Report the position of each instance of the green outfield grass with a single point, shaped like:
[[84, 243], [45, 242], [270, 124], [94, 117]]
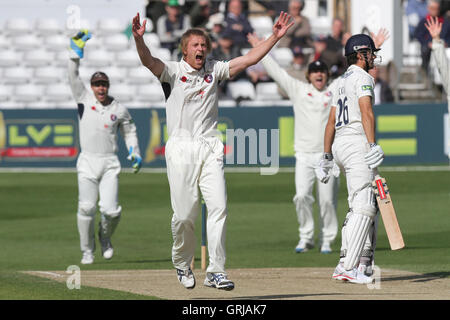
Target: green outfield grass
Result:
[[38, 228]]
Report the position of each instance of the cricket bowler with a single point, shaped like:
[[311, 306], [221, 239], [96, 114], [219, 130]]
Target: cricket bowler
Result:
[[98, 167], [194, 152]]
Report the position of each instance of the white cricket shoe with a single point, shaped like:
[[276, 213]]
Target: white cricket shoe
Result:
[[186, 278], [88, 257], [352, 276], [107, 248], [303, 246], [325, 248], [219, 281]]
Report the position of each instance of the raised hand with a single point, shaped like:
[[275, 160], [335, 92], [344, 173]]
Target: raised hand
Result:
[[282, 25], [434, 27], [138, 29], [380, 37], [253, 39], [78, 42]]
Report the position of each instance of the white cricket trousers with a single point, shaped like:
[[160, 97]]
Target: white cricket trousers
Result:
[[305, 177], [98, 175], [349, 152], [193, 165]]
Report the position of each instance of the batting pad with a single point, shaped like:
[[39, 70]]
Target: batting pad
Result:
[[357, 229]]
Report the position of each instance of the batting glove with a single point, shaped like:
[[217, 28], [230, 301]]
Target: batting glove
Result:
[[78, 42], [375, 156], [326, 164], [136, 160]]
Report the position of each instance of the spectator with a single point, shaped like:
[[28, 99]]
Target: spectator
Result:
[[236, 22], [382, 91], [215, 28], [422, 34], [334, 39], [200, 13], [154, 10], [333, 58], [273, 7], [300, 33], [415, 11], [172, 25], [226, 51]]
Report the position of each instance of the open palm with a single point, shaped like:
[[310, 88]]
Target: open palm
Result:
[[434, 27], [282, 25], [138, 29]]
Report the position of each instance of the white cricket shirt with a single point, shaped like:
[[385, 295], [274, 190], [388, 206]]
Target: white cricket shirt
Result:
[[352, 85], [311, 107], [98, 124], [192, 106]]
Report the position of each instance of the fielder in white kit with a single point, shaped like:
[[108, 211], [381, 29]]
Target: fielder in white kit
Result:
[[194, 153], [438, 52], [98, 167], [350, 141], [311, 104]]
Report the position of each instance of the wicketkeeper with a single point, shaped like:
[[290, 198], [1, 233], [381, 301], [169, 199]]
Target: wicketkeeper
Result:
[[98, 167]]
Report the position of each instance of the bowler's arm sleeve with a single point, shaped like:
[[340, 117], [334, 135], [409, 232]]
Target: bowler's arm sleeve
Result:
[[279, 75], [76, 84], [222, 70], [438, 52]]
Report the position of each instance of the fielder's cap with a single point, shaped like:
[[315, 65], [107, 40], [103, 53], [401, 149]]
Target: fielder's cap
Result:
[[317, 66], [359, 42], [99, 76], [173, 3]]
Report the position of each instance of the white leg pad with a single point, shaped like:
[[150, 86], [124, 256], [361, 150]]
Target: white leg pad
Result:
[[357, 229], [108, 222]]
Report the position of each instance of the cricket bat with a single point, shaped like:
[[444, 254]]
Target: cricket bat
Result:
[[387, 211]]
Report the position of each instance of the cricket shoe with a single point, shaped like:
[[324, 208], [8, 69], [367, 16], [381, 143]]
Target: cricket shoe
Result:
[[219, 281], [186, 278], [325, 248], [107, 248], [88, 257], [303, 246], [352, 276]]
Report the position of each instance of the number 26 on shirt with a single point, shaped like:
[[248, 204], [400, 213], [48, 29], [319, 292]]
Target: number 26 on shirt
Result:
[[343, 112]]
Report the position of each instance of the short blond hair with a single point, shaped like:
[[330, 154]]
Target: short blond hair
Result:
[[195, 32]]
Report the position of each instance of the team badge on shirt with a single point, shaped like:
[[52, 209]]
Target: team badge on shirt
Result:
[[113, 117], [185, 79], [208, 78]]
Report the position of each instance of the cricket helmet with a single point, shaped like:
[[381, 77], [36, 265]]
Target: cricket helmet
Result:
[[359, 42]]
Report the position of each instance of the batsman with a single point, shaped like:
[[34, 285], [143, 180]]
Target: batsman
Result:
[[98, 167], [350, 142]]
